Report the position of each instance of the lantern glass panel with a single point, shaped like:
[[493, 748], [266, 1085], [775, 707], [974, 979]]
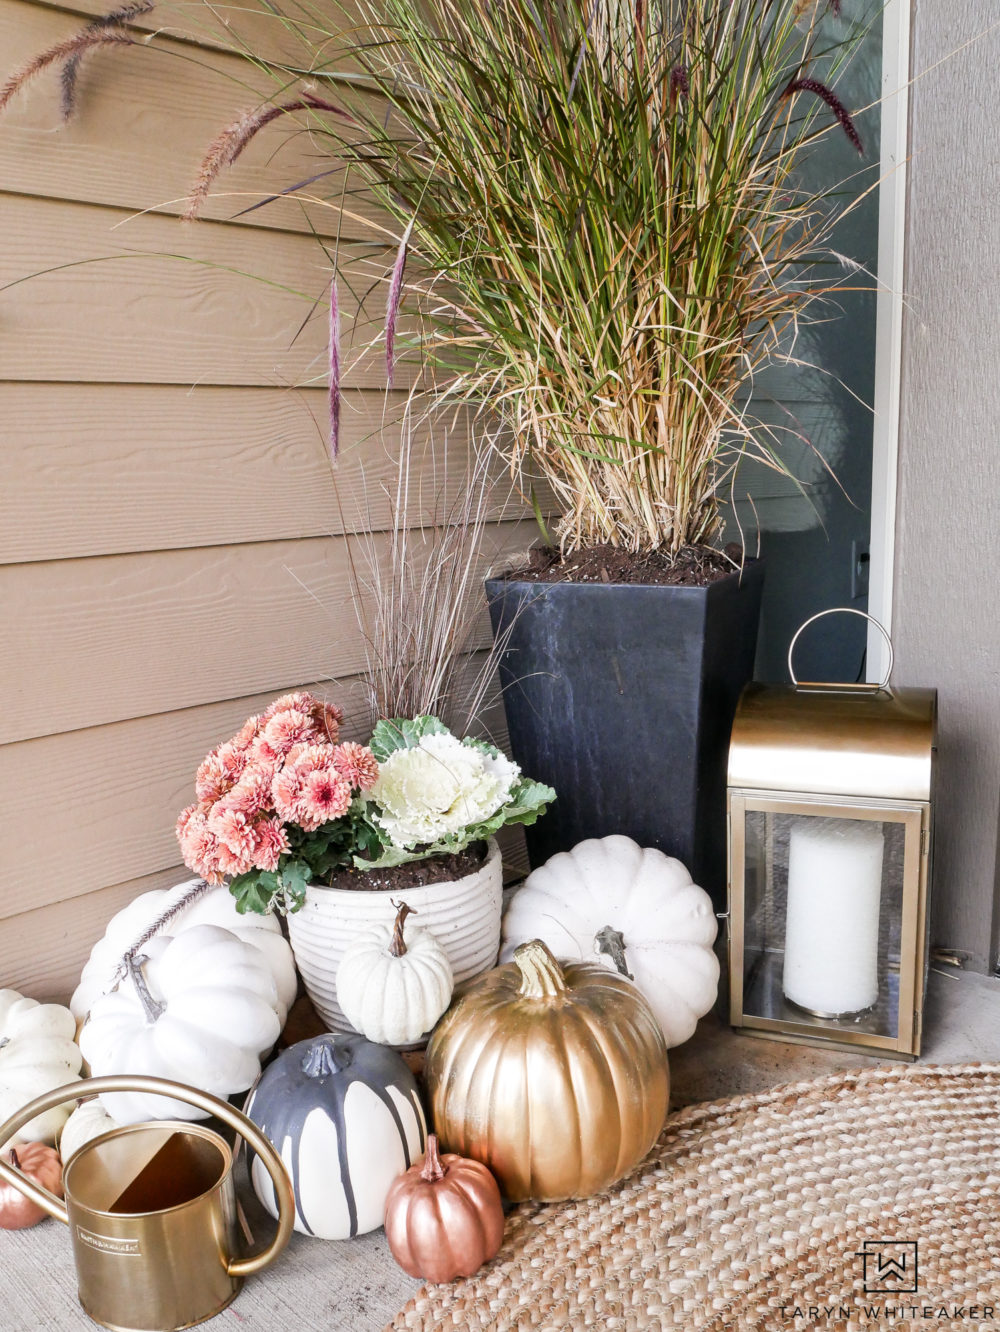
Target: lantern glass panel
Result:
[[823, 917]]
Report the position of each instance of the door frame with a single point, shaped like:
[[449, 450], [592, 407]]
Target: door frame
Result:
[[888, 323]]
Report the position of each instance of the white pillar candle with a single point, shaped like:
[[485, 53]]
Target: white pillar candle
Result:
[[831, 930]]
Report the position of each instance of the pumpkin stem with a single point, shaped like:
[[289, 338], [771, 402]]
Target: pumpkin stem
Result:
[[324, 1058], [611, 942], [397, 948], [179, 904], [541, 974], [433, 1169], [14, 1160], [152, 1008]]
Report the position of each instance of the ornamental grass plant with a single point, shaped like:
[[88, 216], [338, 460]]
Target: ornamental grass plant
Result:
[[599, 214], [599, 200], [417, 589], [606, 233]]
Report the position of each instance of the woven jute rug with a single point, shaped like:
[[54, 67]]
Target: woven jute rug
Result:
[[867, 1199]]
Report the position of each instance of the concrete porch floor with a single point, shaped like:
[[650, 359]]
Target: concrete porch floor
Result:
[[355, 1286]]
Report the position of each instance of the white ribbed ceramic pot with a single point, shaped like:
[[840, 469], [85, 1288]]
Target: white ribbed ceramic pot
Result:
[[462, 914]]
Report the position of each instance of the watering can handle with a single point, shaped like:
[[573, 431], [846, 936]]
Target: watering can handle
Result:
[[239, 1267]]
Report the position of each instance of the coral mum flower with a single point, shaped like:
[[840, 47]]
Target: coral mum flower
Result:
[[325, 795], [285, 730], [183, 819], [211, 780], [328, 718], [285, 791], [270, 843], [264, 757], [356, 764], [200, 847], [232, 862], [298, 702], [309, 758], [233, 831], [251, 795], [247, 733], [232, 760]]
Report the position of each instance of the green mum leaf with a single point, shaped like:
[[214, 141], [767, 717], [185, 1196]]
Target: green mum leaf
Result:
[[295, 875], [254, 891]]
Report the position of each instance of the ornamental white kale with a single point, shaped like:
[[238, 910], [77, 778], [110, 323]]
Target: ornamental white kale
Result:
[[436, 793], [438, 788]]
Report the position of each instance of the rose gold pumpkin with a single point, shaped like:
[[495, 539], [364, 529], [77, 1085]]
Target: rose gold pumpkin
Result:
[[444, 1217], [555, 1077], [40, 1163]]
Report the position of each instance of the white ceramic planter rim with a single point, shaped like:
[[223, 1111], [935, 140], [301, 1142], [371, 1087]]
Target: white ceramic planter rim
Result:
[[425, 892]]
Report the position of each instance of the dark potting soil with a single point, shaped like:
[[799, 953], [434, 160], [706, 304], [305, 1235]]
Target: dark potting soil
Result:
[[694, 566], [398, 878]]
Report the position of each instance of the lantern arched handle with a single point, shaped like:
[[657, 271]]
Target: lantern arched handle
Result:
[[842, 610]]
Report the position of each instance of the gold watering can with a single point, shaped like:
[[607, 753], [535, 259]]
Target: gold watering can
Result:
[[152, 1210]]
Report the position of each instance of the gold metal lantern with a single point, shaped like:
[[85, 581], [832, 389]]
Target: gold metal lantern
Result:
[[830, 802]]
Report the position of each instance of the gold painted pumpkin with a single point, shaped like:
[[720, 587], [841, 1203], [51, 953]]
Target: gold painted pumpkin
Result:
[[555, 1077]]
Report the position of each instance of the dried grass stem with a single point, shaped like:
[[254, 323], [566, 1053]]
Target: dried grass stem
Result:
[[87, 40]]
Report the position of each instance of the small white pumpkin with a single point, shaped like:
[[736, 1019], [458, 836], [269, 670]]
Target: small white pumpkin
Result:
[[180, 908], [639, 911], [199, 1008], [37, 1053], [394, 981], [89, 1120]]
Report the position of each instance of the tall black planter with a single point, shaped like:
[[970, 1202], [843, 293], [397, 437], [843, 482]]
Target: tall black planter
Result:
[[622, 697]]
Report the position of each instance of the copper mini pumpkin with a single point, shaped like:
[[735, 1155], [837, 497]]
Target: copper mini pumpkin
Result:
[[553, 1076], [41, 1164], [444, 1217]]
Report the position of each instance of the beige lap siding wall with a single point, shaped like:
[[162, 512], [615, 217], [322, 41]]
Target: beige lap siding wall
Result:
[[172, 550]]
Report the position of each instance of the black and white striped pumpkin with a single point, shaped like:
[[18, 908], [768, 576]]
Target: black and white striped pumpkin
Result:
[[346, 1118]]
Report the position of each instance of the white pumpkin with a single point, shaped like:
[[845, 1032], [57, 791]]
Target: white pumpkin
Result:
[[187, 904], [89, 1120], [37, 1053], [394, 981], [639, 911], [200, 1009]]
